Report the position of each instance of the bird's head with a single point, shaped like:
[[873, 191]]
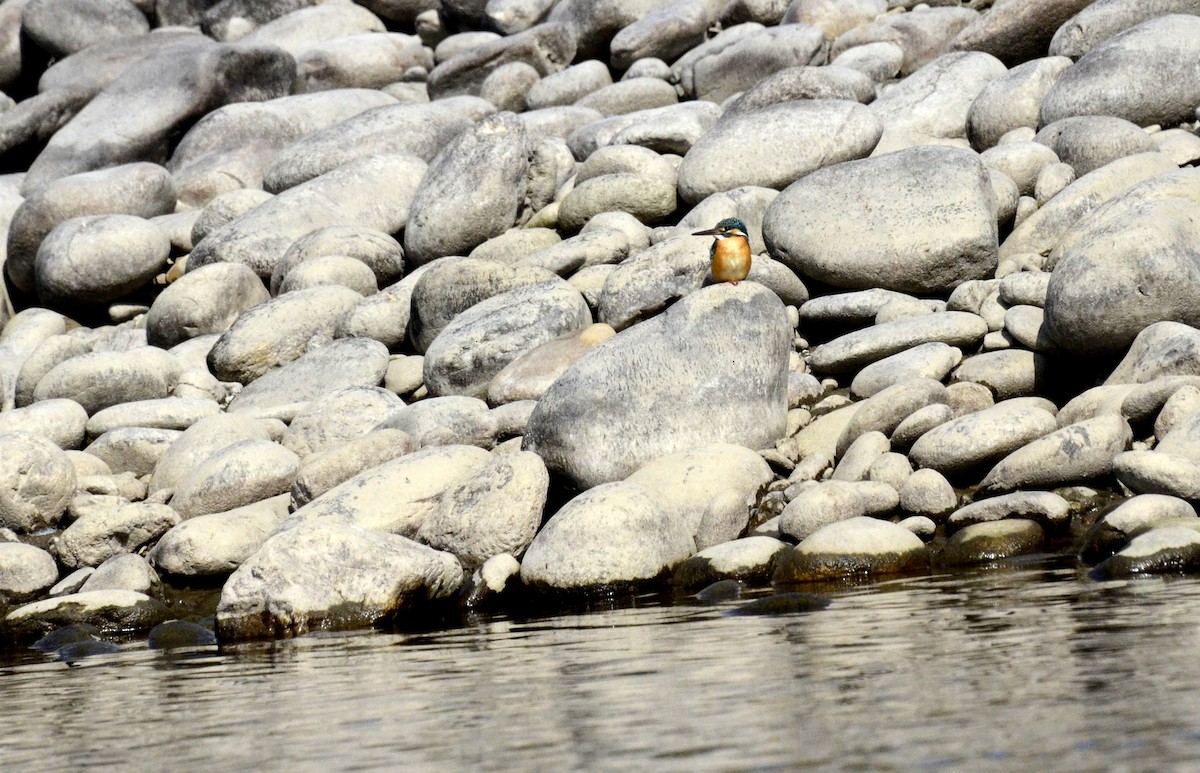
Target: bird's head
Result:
[[728, 227]]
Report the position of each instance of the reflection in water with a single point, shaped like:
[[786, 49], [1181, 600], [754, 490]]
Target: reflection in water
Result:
[[1028, 667]]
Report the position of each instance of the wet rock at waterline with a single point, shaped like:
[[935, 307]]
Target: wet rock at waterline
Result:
[[854, 547]]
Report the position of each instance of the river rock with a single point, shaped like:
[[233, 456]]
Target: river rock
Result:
[[1161, 349], [139, 189], [124, 123], [26, 571], [324, 575], [853, 547], [863, 347], [122, 528], [60, 421], [664, 32], [981, 543], [99, 258], [1162, 550], [1100, 21], [419, 130], [886, 409], [711, 488], [1137, 75], [123, 572], [1132, 516], [607, 393], [241, 474], [776, 145], [1104, 264], [108, 610], [450, 420], [1012, 101], [477, 344], [966, 443], [64, 27], [399, 495], [375, 249], [750, 560], [936, 100], [322, 470], [373, 192], [531, 374], [1015, 31], [369, 60], [1045, 507], [1088, 142], [612, 535], [277, 331], [305, 27], [650, 280], [497, 510], [99, 379], [808, 226], [1044, 229], [568, 86], [338, 416], [932, 360], [547, 47], [198, 443], [1074, 454], [835, 500], [383, 316], [754, 56], [922, 34], [215, 544], [207, 300], [133, 449]]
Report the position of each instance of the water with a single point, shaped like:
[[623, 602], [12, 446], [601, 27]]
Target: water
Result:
[[1024, 668]]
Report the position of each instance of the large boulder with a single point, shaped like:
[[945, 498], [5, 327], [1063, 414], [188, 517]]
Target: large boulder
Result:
[[713, 368]]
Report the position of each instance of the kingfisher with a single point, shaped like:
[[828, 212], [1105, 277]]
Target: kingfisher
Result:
[[730, 253]]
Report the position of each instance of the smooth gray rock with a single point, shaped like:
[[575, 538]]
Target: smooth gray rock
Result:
[[420, 130], [777, 144], [568, 86], [96, 259], [88, 71], [198, 443], [449, 420], [108, 610], [375, 249], [123, 572], [547, 47], [322, 470], [374, 192], [277, 332], [671, 129], [132, 449], [608, 392], [1044, 507], [450, 287], [1161, 550], [497, 510], [919, 422], [601, 246], [860, 456], [835, 500], [722, 74], [241, 474], [804, 83], [1022, 162], [60, 421], [664, 32], [1103, 19], [922, 34], [936, 100], [629, 96], [712, 487], [1103, 291], [368, 60], [121, 528], [36, 481], [331, 270], [981, 543], [863, 347], [650, 280], [853, 547], [301, 580], [304, 27], [1088, 142], [750, 560], [1077, 453], [201, 302], [383, 316], [1006, 373], [477, 344], [338, 416], [927, 492], [886, 409], [1161, 349], [100, 379], [215, 544], [1159, 472], [1138, 75], [649, 198], [26, 571], [529, 375], [62, 27], [124, 123], [613, 534], [284, 392], [139, 189], [876, 201], [878, 61], [1015, 31], [491, 177], [977, 439], [1134, 515], [398, 495], [933, 360]]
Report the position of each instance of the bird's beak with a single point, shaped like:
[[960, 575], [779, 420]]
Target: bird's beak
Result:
[[709, 232]]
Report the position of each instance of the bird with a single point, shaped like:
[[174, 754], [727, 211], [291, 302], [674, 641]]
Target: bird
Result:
[[730, 253]]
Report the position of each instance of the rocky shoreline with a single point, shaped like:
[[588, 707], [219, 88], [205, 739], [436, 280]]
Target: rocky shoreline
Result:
[[367, 313]]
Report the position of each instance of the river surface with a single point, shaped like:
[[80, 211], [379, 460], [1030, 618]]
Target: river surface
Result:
[[1027, 667]]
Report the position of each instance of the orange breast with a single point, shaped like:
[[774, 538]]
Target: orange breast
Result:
[[731, 260]]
